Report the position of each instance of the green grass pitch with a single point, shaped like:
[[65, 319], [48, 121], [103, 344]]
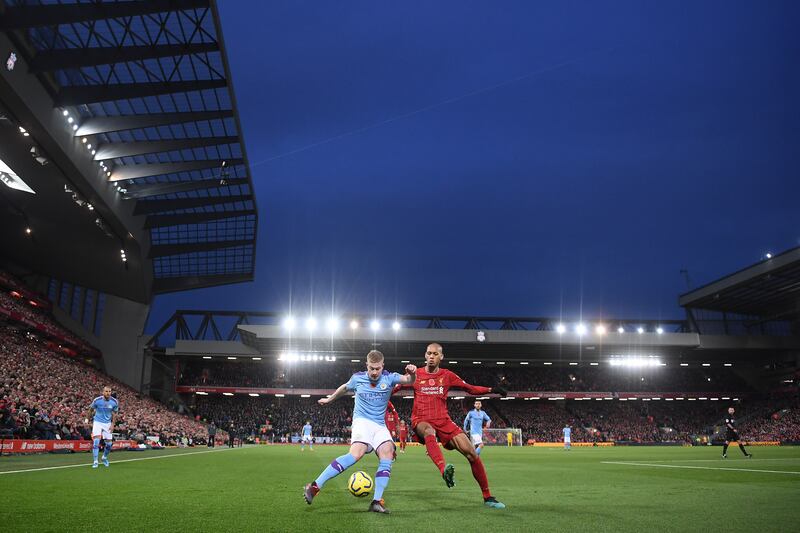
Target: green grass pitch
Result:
[[545, 489]]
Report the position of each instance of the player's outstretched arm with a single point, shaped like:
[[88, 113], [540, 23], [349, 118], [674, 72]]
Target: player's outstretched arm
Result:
[[411, 375], [335, 396]]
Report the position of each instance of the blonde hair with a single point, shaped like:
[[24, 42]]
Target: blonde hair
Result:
[[374, 356]]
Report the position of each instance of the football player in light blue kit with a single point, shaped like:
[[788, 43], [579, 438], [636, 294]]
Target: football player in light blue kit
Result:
[[307, 437], [372, 389], [103, 411], [567, 437], [474, 424]]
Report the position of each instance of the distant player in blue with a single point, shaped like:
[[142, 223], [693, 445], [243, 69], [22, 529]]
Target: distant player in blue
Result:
[[103, 411], [473, 423], [372, 389], [567, 437], [306, 437]]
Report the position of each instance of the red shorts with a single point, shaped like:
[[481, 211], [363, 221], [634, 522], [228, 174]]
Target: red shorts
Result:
[[445, 429], [403, 436]]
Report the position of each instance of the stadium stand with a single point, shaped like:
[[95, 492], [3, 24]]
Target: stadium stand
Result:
[[45, 395], [564, 378]]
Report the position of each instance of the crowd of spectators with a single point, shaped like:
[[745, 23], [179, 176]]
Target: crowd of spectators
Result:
[[46, 395], [13, 301], [541, 421], [329, 375]]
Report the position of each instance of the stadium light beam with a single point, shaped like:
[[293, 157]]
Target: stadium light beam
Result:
[[600, 329], [659, 330], [561, 329], [354, 324], [620, 330], [332, 324], [289, 323], [311, 324], [396, 325], [640, 330], [580, 329], [375, 325]]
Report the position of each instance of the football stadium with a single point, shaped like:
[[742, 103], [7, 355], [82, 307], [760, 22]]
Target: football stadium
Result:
[[440, 331]]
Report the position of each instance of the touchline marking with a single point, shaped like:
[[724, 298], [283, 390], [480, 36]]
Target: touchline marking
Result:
[[702, 467], [720, 460], [115, 462]]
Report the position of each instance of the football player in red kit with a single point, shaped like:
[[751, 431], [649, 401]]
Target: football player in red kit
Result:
[[429, 419]]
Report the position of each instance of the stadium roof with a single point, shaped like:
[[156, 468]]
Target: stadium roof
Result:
[[769, 289], [148, 85]]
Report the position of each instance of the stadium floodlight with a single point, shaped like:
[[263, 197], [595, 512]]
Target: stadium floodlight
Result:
[[523, 362], [594, 363], [405, 362], [375, 325], [727, 364], [355, 360], [311, 324], [640, 330], [253, 394], [457, 398], [620, 330], [548, 363], [396, 325], [635, 362], [201, 393], [227, 394], [476, 363], [289, 323], [453, 362], [706, 364], [305, 396], [256, 359], [501, 362], [659, 330], [768, 255], [231, 358], [279, 395], [332, 324], [206, 357], [65, 112], [11, 180], [354, 324], [684, 364], [561, 329], [573, 364], [580, 329], [600, 329], [70, 119], [702, 398]]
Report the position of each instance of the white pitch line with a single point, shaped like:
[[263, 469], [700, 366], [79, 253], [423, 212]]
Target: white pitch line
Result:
[[718, 460], [115, 462], [702, 467]]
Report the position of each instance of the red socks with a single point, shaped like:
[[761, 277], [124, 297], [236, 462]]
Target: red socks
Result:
[[480, 476], [435, 453]]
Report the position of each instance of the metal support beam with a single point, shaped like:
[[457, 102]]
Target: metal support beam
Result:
[[158, 221], [130, 149], [161, 250], [90, 94], [95, 125], [132, 172], [32, 16], [155, 189], [65, 58], [158, 206]]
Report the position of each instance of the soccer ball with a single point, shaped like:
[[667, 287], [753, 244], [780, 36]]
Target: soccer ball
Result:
[[360, 484]]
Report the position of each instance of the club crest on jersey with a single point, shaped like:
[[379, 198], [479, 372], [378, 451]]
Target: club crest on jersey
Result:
[[431, 381], [383, 386]]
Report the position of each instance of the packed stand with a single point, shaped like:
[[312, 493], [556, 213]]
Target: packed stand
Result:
[[44, 395]]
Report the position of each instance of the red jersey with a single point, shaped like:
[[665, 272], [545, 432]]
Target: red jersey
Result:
[[391, 418], [430, 393]]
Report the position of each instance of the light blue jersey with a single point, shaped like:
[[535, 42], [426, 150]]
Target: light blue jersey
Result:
[[307, 430], [567, 433], [372, 397], [104, 409], [474, 421]]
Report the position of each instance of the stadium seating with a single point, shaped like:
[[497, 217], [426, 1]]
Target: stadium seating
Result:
[[565, 379], [46, 395]]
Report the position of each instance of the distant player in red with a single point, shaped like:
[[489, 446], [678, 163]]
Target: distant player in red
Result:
[[391, 419], [429, 419], [402, 433]]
